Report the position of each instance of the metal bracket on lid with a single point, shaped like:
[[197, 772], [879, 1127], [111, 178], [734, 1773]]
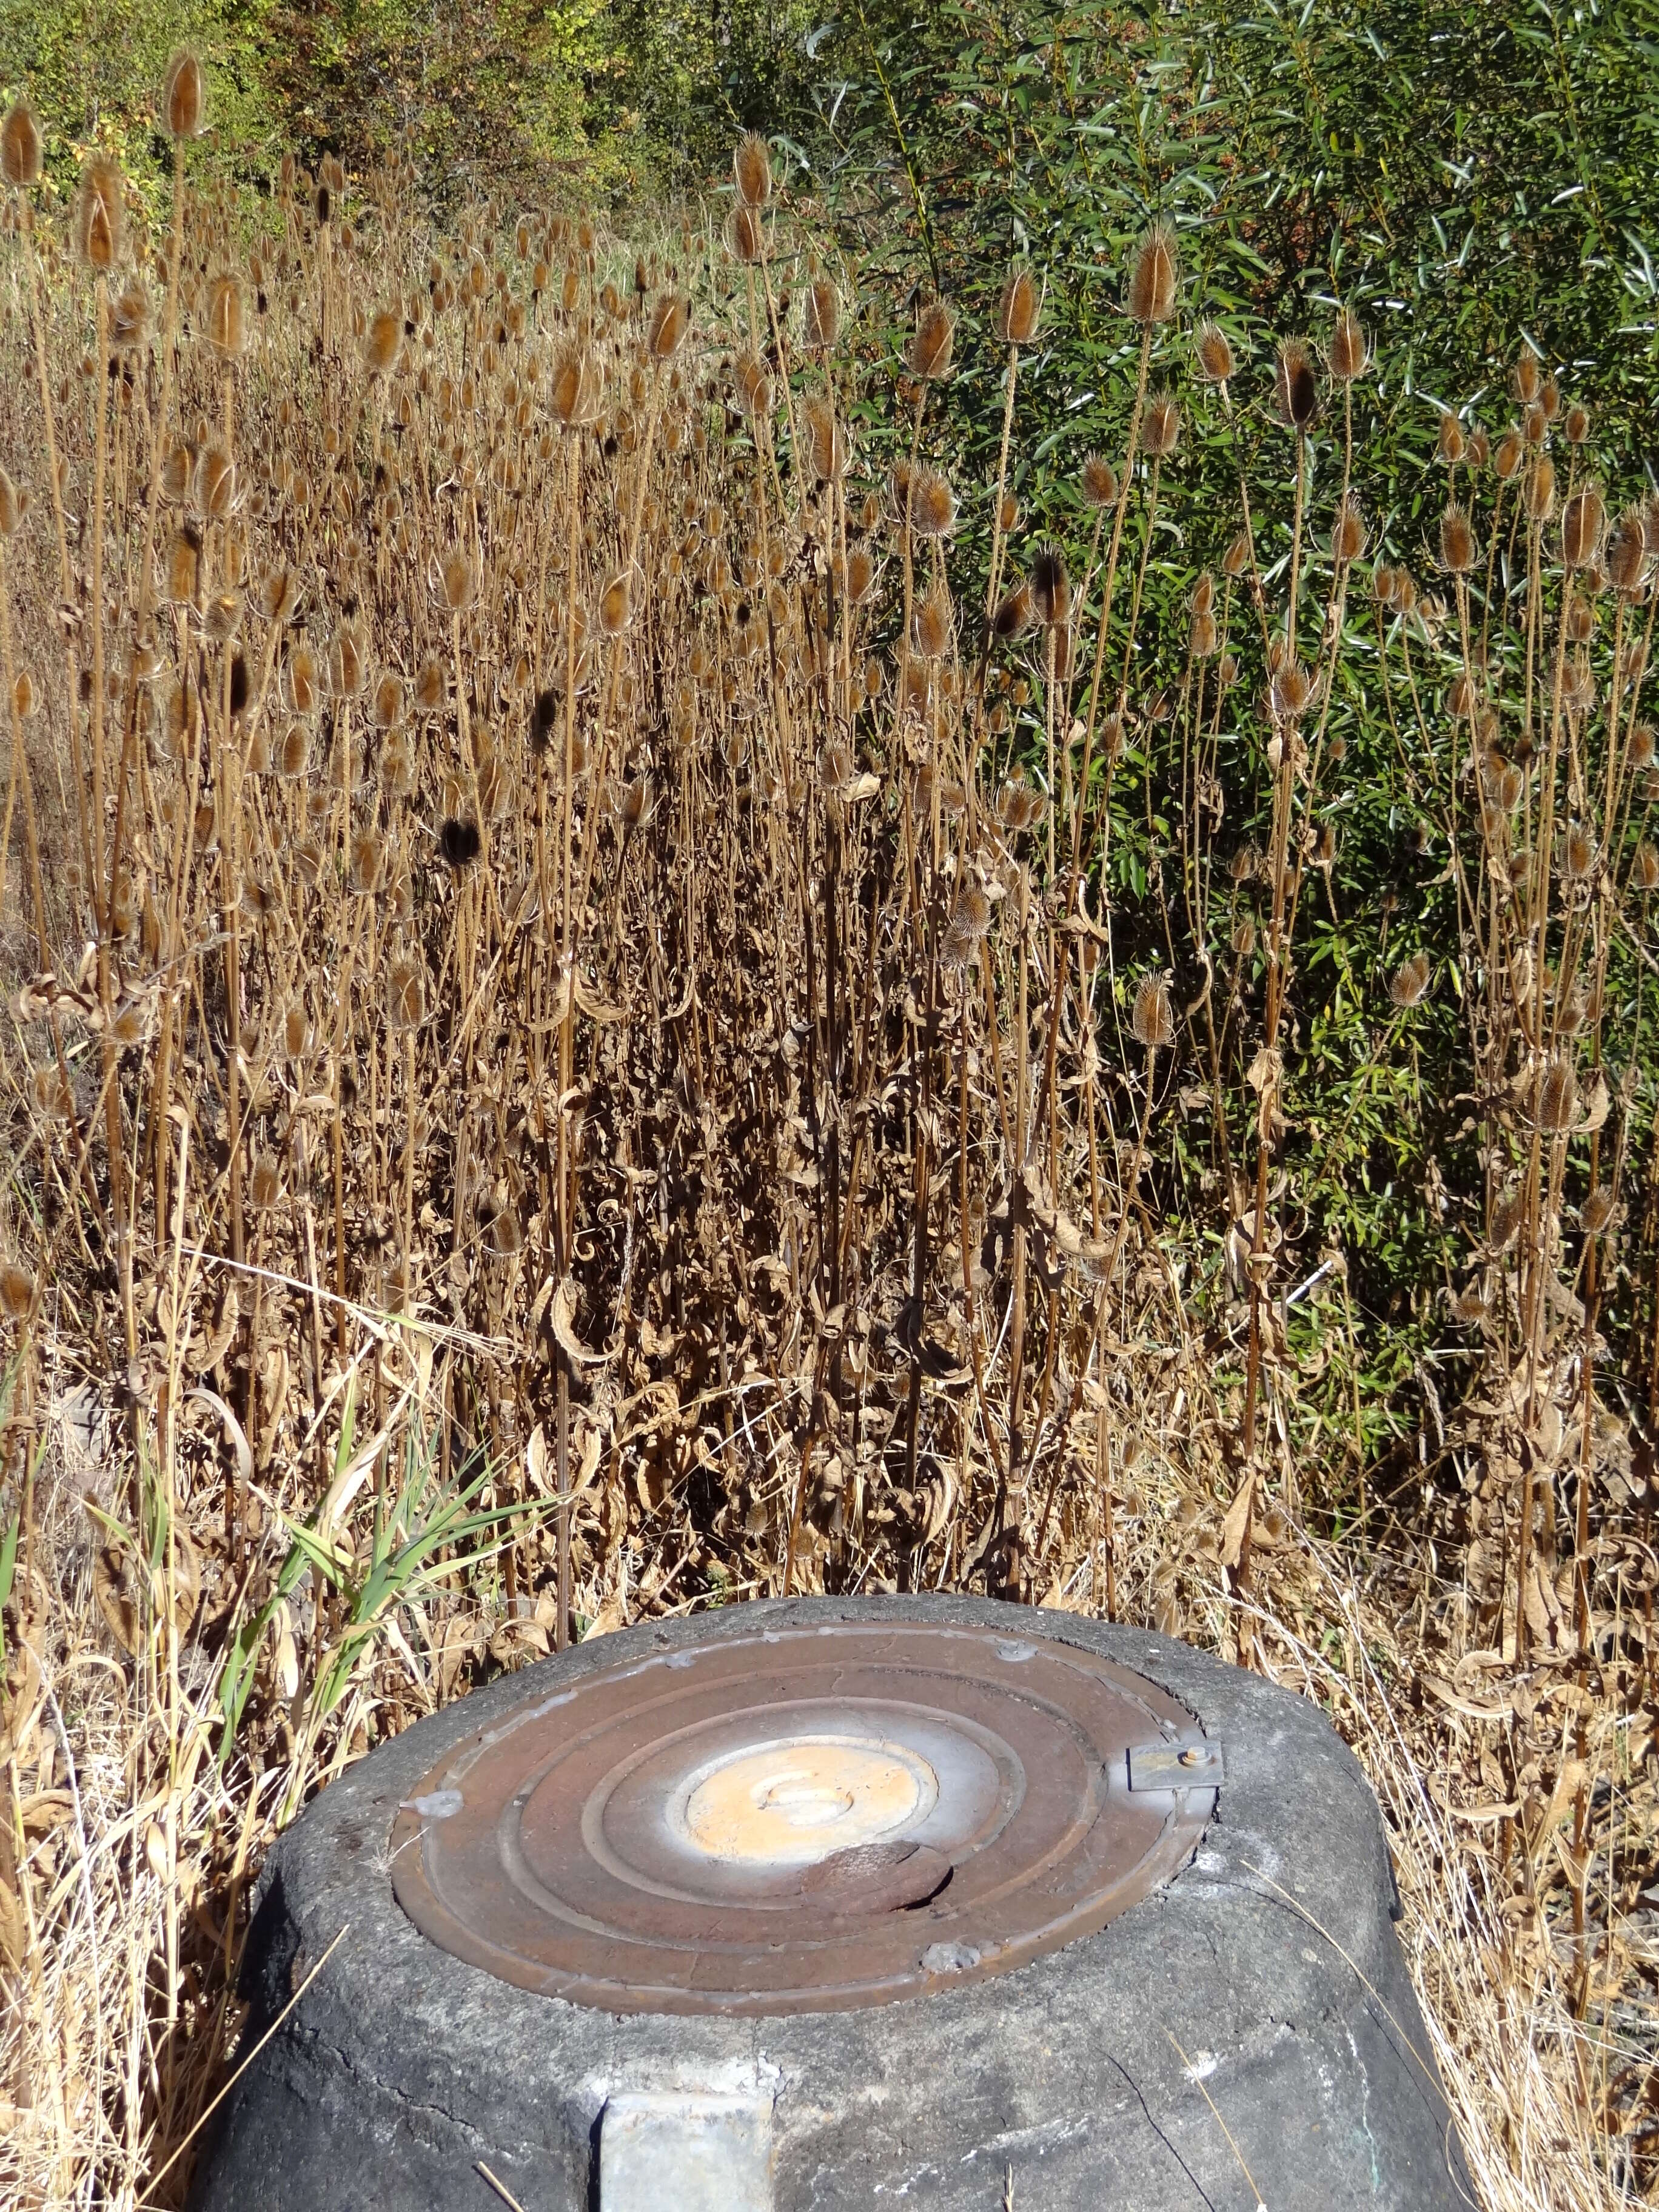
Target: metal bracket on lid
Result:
[[1173, 1766], [700, 2151]]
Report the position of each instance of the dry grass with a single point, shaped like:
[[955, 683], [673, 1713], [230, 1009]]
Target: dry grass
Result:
[[601, 1082]]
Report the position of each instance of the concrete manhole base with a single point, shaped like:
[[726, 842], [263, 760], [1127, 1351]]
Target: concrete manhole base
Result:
[[833, 1902]]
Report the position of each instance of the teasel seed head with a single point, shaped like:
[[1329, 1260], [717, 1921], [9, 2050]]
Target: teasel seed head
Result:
[[1240, 552], [129, 318], [1203, 637], [16, 1291], [932, 342], [1099, 482], [826, 446], [1410, 981], [1296, 391], [19, 147], [182, 569], [1510, 453], [1213, 351], [745, 234], [860, 576], [388, 709], [405, 994], [1152, 1020], [1627, 552], [1577, 428], [1541, 490], [1160, 430], [100, 215], [1457, 546], [227, 319], [264, 1182], [1290, 692], [577, 390], [1019, 308], [1644, 866], [348, 660], [616, 605], [458, 842], [1583, 519], [1020, 805], [933, 504], [1639, 750], [1051, 588], [751, 382], [14, 506], [1578, 853], [1015, 614], [933, 626], [671, 319], [216, 491], [1527, 378], [1154, 286], [455, 580], [1451, 443], [1348, 532], [381, 341], [1349, 355], [1558, 1095], [751, 170]]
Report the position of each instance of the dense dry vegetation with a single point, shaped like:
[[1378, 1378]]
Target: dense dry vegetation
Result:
[[628, 990]]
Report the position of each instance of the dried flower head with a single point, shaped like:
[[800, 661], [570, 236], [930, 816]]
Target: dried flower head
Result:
[[1527, 378], [405, 994], [577, 390], [1019, 308], [1152, 1021], [1290, 692], [932, 342], [1154, 283], [19, 147], [752, 386], [1558, 1095], [264, 1182], [1349, 355], [1348, 532], [1099, 482], [227, 319], [14, 506], [616, 605], [1239, 554], [826, 447], [129, 318], [183, 104], [1296, 391], [1583, 519], [101, 214], [671, 319], [1410, 981], [1627, 551], [933, 626], [458, 842], [1161, 425], [1051, 588], [1214, 352], [751, 170], [1015, 615], [1457, 546], [1450, 444], [933, 504]]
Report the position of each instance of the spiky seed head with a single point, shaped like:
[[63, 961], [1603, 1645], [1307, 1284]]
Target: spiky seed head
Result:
[[1534, 426], [577, 391], [1154, 283], [745, 234], [1577, 428], [751, 170], [1349, 355], [826, 448], [616, 605], [1348, 532], [1152, 1020], [1541, 490], [20, 146], [1450, 444], [1549, 399], [1583, 519], [860, 576], [1558, 1095], [671, 319], [183, 98], [216, 491], [1239, 554], [1644, 866], [14, 506], [1509, 453], [1290, 691], [264, 1182], [388, 708], [1051, 588], [405, 994], [16, 1291], [1015, 614], [1627, 552], [1410, 981], [1527, 380], [1296, 389], [821, 318], [1243, 937], [1457, 546], [1203, 638], [1214, 351], [456, 581], [182, 570], [933, 625], [1099, 482], [1640, 753], [932, 342], [1579, 853], [227, 319], [1462, 698], [1598, 1210], [381, 341], [296, 1031], [1204, 593], [753, 384], [1160, 430], [933, 504], [1019, 309], [25, 696], [129, 318], [100, 216]]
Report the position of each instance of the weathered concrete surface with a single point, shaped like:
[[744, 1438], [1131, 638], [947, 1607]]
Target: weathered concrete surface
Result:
[[402, 2067]]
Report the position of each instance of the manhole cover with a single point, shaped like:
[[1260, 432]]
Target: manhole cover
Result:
[[805, 1820]]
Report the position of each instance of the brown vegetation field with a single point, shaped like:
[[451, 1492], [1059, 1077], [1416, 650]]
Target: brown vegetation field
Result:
[[578, 1047]]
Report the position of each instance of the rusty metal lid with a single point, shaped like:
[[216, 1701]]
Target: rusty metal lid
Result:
[[805, 1819]]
